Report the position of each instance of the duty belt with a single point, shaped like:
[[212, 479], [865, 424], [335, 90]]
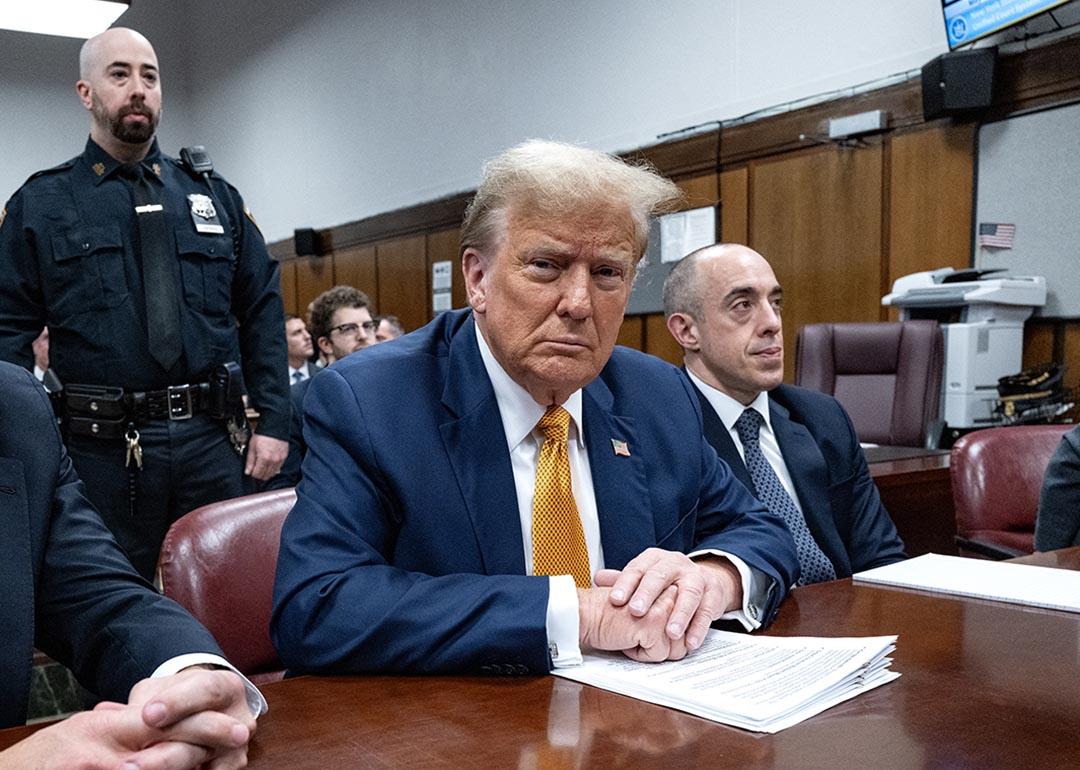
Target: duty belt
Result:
[[104, 404], [112, 412], [176, 402]]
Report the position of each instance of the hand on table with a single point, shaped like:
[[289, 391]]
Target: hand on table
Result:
[[705, 589], [199, 707], [602, 625], [191, 719]]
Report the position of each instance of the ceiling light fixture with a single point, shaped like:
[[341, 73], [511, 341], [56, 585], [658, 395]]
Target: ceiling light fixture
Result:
[[67, 18]]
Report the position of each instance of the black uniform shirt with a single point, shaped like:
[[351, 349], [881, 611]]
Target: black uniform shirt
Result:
[[69, 259]]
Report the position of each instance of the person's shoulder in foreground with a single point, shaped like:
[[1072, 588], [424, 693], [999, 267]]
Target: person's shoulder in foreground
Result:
[[1057, 524], [71, 593], [407, 550]]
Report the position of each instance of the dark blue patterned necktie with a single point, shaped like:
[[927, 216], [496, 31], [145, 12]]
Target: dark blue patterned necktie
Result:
[[814, 565]]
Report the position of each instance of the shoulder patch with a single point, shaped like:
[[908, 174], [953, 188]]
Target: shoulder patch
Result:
[[251, 217]]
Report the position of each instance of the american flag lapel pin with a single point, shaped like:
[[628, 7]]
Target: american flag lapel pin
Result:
[[621, 448]]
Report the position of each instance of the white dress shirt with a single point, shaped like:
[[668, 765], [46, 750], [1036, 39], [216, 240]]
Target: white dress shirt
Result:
[[520, 413], [255, 700], [302, 371], [729, 411]]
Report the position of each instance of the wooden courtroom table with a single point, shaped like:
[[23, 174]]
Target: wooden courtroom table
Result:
[[983, 684], [915, 488]]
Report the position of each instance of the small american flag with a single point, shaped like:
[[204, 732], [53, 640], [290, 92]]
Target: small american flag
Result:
[[996, 236], [621, 448]]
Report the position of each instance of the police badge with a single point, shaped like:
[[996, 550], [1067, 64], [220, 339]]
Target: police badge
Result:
[[204, 215]]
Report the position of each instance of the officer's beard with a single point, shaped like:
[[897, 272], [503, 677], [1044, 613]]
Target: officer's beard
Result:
[[133, 133]]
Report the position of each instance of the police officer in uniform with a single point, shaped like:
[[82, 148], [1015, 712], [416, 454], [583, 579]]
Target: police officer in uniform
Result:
[[161, 303]]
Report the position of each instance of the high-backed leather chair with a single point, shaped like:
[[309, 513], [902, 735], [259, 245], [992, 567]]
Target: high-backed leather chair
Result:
[[886, 375], [218, 562], [996, 477]]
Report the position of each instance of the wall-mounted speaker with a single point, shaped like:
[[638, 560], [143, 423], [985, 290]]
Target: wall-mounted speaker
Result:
[[306, 242], [958, 82]]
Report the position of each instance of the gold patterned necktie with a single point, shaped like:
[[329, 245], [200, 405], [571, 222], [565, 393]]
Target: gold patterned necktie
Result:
[[558, 538]]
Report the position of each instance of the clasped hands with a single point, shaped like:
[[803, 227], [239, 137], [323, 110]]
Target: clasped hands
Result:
[[196, 718], [659, 607]]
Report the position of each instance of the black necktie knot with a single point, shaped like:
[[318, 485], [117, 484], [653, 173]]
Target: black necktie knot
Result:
[[133, 172]]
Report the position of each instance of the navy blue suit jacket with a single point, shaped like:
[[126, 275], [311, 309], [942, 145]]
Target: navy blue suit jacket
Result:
[[1057, 524], [404, 550], [838, 497], [67, 586]]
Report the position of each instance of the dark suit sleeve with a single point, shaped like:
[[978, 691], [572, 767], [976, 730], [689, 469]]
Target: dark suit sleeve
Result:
[[1058, 521], [22, 312], [289, 475], [341, 602], [871, 537], [257, 305], [93, 613]]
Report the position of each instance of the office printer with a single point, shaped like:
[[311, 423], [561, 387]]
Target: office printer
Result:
[[982, 317]]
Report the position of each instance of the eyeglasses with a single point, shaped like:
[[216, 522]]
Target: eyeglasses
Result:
[[353, 330]]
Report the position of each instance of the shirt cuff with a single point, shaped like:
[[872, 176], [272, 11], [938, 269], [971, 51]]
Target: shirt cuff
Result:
[[749, 614], [255, 700], [562, 622]]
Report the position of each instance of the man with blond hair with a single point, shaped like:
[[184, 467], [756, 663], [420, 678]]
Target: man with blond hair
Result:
[[504, 488]]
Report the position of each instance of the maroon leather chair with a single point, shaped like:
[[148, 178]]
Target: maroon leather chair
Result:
[[218, 562], [996, 477], [886, 375]]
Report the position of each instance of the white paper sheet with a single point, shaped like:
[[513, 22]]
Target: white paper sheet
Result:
[[1056, 589], [758, 683], [686, 231]]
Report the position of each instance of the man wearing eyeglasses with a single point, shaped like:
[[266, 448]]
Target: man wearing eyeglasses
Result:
[[341, 324]]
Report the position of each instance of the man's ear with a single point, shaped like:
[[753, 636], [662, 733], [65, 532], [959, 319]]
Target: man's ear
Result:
[[474, 269], [684, 329], [82, 88], [325, 346]]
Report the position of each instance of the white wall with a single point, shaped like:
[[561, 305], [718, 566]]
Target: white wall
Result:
[[42, 122], [323, 113]]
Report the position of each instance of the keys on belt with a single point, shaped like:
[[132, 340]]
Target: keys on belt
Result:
[[134, 451]]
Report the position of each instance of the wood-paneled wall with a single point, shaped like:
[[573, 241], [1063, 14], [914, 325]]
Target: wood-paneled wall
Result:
[[839, 224], [816, 216]]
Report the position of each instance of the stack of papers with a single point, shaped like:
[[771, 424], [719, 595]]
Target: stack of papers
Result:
[[1055, 589], [758, 683]]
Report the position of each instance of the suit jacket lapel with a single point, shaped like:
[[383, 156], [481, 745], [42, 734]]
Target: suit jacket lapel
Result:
[[717, 435], [807, 467], [619, 482], [17, 609], [476, 446]]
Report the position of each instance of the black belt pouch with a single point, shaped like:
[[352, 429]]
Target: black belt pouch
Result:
[[96, 410]]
